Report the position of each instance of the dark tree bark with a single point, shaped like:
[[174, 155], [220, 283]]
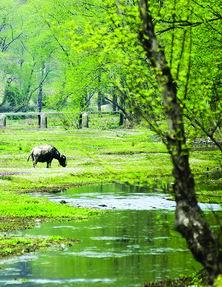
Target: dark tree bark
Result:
[[99, 102], [40, 96], [44, 75], [190, 221], [114, 103], [121, 119], [122, 104]]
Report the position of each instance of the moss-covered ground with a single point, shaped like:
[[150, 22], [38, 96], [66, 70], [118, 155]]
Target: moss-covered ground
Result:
[[134, 156]]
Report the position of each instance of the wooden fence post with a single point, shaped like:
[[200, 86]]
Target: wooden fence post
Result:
[[42, 121], [85, 120], [2, 121]]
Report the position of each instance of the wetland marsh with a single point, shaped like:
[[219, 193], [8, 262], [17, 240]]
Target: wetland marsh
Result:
[[143, 238]]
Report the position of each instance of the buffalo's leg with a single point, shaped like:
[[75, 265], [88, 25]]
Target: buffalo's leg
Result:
[[49, 164]]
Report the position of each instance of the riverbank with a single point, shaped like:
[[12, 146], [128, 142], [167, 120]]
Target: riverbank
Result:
[[134, 157]]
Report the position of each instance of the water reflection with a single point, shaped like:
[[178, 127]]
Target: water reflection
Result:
[[124, 248], [116, 196], [119, 248]]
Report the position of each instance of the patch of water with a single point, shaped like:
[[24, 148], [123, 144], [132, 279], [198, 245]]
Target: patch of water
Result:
[[113, 196], [123, 248], [119, 248]]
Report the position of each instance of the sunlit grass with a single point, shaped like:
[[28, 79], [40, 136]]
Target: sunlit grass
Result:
[[134, 157], [19, 246]]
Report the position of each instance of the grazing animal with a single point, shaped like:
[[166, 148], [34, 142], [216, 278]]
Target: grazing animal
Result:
[[46, 153]]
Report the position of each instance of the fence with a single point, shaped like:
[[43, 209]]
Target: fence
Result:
[[44, 120], [41, 118]]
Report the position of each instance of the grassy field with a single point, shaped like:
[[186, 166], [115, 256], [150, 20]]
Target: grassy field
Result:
[[94, 156]]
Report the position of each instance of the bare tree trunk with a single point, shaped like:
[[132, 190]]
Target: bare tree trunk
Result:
[[114, 102], [40, 96], [190, 220], [40, 93], [99, 102]]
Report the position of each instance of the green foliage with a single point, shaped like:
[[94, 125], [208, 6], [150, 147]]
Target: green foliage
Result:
[[28, 57], [77, 50], [189, 32], [102, 54], [18, 246], [104, 121], [218, 281]]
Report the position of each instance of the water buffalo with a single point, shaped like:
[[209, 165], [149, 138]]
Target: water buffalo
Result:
[[46, 153]]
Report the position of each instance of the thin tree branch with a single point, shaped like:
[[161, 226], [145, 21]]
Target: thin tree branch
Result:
[[185, 23], [189, 66], [181, 54]]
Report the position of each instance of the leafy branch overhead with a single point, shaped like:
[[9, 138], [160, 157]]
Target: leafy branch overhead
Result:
[[91, 49]]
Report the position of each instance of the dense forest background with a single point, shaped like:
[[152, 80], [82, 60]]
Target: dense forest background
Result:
[[77, 55]]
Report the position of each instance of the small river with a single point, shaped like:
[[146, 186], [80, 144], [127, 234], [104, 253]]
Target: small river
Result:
[[132, 243]]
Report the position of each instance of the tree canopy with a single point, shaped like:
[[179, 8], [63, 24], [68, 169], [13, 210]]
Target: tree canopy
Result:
[[64, 54], [156, 61]]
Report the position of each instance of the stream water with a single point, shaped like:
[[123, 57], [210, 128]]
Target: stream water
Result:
[[131, 244]]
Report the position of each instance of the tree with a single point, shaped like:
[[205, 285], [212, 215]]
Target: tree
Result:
[[191, 36], [31, 64], [107, 33], [190, 221], [164, 87], [9, 35]]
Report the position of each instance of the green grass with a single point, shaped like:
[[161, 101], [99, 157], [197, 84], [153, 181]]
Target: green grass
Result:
[[94, 156], [18, 246]]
